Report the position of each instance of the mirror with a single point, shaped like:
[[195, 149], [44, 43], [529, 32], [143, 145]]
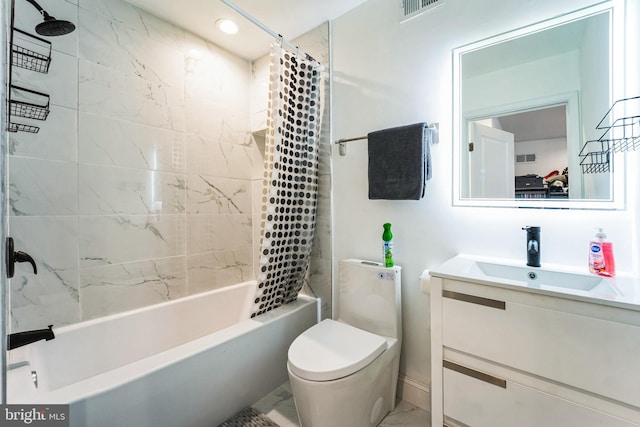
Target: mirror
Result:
[[525, 103]]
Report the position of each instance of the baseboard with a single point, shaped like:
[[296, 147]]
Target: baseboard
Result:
[[414, 392]]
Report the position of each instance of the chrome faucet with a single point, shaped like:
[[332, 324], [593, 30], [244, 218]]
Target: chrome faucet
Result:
[[19, 339], [533, 246]]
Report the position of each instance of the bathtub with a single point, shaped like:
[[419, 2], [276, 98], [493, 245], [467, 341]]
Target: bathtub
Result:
[[190, 362]]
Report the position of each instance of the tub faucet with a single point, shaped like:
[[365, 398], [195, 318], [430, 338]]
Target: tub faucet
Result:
[[19, 339], [533, 246]]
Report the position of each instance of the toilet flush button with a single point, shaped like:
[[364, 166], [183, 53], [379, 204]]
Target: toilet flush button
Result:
[[386, 275]]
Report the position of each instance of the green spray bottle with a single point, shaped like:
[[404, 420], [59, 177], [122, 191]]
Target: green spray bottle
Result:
[[387, 245]]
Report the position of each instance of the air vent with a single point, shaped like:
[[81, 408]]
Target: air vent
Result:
[[412, 8], [525, 158]]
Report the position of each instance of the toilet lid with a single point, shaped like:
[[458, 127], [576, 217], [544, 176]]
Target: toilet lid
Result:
[[332, 350]]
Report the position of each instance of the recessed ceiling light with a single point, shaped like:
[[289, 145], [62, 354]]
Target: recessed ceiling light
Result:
[[227, 26]]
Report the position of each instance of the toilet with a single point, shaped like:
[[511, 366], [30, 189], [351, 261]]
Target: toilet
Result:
[[344, 372]]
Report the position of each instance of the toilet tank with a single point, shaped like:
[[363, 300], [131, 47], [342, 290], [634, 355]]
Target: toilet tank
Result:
[[369, 297]]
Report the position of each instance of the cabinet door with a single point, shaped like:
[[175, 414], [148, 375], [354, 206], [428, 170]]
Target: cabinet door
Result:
[[591, 354], [472, 398]]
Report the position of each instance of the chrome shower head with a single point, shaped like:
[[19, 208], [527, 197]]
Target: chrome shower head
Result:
[[51, 26]]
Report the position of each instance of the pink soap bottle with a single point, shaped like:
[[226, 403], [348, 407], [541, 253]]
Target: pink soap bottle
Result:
[[601, 261]]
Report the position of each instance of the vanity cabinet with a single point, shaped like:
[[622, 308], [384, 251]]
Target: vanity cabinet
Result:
[[510, 357]]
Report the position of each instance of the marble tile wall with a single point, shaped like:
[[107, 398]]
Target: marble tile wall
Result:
[[4, 55], [139, 186]]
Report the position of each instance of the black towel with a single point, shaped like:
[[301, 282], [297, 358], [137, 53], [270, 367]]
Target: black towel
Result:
[[399, 162]]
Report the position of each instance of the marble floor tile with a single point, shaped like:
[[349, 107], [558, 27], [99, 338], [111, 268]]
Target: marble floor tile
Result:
[[407, 415], [279, 406]]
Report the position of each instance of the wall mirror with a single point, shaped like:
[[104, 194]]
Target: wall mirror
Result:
[[526, 102]]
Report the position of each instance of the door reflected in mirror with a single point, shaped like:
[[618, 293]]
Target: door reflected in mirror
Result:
[[528, 158], [525, 102]]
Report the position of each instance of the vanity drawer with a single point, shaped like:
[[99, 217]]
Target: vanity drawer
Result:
[[591, 354], [472, 398]]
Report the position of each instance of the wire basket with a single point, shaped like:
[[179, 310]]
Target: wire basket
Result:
[[19, 127], [28, 103], [15, 127], [30, 52], [622, 125], [626, 135], [595, 156]]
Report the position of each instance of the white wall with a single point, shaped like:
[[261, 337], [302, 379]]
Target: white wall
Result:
[[633, 88], [387, 74], [551, 154], [504, 87], [593, 70]]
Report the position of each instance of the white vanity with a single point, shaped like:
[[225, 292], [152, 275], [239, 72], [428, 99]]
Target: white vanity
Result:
[[513, 345]]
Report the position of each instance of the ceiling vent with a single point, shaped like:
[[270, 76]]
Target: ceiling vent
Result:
[[413, 8]]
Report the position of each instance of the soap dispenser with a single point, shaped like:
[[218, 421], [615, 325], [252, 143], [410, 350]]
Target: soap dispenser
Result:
[[601, 261]]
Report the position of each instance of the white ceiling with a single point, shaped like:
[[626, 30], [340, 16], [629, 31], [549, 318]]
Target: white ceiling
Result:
[[536, 125], [290, 18]]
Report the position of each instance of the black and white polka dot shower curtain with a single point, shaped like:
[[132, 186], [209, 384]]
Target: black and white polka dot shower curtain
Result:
[[290, 190]]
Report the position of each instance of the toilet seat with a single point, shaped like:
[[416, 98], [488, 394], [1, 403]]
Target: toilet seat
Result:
[[332, 350]]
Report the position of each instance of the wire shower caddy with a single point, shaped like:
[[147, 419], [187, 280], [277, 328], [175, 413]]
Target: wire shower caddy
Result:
[[30, 52], [34, 54], [621, 127]]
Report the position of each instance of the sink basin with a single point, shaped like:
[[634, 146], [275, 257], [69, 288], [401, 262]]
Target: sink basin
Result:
[[551, 279], [544, 279]]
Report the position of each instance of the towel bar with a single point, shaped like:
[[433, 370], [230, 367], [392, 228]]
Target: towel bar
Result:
[[343, 147]]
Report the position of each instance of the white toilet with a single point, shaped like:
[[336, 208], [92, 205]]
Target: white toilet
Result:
[[344, 372]]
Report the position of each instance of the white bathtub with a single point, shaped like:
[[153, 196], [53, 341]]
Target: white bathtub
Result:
[[191, 362]]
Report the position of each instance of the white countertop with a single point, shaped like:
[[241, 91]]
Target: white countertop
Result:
[[622, 291]]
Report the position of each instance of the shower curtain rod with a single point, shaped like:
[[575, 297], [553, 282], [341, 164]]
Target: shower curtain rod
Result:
[[269, 31]]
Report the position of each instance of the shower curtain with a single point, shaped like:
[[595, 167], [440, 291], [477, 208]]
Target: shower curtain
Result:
[[290, 189]]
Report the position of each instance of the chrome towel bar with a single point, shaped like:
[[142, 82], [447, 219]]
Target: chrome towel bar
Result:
[[435, 127]]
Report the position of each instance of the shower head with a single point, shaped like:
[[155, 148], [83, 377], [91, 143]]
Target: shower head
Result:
[[51, 26], [54, 27]]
